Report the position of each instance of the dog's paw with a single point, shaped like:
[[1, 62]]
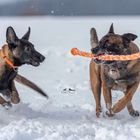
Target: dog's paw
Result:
[[7, 105], [134, 113], [15, 97], [98, 112], [109, 114]]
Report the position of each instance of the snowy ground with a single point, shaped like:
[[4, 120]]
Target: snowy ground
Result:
[[65, 116]]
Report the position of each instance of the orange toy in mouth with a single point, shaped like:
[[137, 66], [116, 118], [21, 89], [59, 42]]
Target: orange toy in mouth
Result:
[[75, 51]]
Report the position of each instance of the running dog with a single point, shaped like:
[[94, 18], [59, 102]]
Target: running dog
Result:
[[114, 75], [14, 54]]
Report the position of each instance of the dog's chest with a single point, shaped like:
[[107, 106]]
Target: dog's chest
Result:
[[119, 86], [119, 79], [114, 84], [6, 77], [121, 83]]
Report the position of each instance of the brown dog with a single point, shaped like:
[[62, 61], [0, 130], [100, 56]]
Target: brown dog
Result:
[[114, 75]]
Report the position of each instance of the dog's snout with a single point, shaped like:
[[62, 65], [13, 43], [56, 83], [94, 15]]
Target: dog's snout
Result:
[[42, 58], [39, 56], [95, 50]]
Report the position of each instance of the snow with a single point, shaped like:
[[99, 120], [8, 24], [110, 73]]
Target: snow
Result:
[[66, 115]]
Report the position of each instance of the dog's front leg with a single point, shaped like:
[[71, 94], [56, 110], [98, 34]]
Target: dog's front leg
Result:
[[14, 94], [4, 103], [108, 99], [95, 86], [126, 100]]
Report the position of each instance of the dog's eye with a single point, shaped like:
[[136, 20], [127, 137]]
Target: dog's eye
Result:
[[108, 44], [27, 49]]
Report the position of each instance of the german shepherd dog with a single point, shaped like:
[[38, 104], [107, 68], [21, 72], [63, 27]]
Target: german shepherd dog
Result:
[[114, 75], [14, 54]]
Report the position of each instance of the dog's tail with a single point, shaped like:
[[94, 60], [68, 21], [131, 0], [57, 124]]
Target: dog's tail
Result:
[[22, 80]]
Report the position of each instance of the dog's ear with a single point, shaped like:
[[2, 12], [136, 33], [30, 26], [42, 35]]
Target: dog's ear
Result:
[[93, 38], [11, 36], [111, 29], [128, 37], [27, 35]]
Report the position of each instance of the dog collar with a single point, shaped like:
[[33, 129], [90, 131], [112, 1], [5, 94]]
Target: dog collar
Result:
[[9, 62]]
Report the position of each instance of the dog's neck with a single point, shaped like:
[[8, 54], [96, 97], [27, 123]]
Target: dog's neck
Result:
[[7, 52], [7, 57], [7, 73]]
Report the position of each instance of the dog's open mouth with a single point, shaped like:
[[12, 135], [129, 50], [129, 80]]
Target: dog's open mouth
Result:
[[98, 61], [99, 54], [35, 64]]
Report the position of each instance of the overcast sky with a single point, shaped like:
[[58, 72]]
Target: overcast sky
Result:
[[6, 1], [9, 1], [69, 7]]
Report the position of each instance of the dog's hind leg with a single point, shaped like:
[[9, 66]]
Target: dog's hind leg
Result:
[[22, 80], [14, 94], [96, 87], [132, 112]]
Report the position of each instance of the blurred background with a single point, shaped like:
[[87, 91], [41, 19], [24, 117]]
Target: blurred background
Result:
[[69, 7]]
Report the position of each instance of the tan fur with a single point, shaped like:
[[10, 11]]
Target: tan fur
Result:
[[97, 79]]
